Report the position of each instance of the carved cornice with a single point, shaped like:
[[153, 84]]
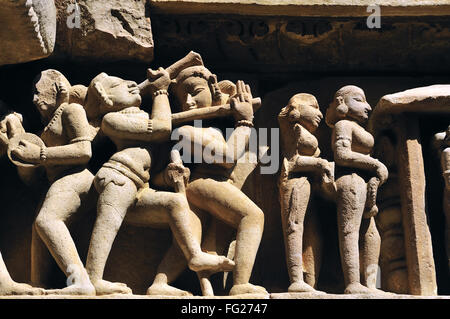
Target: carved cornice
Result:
[[321, 44]]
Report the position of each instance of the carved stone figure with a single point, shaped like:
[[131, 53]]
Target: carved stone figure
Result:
[[211, 186], [443, 143], [122, 182], [358, 177], [10, 126], [64, 151], [301, 167]]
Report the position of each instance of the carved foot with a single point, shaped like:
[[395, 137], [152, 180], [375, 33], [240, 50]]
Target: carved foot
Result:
[[247, 289], [301, 286], [210, 263], [76, 289], [357, 288], [14, 288], [166, 290], [103, 287]]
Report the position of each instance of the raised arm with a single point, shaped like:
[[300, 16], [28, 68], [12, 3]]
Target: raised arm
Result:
[[139, 126], [214, 147]]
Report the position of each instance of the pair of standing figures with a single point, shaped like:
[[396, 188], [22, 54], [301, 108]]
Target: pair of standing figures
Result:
[[352, 184]]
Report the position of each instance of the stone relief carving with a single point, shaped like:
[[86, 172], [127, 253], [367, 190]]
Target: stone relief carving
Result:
[[31, 30], [193, 200], [11, 126], [442, 141], [301, 168], [211, 188], [358, 177]]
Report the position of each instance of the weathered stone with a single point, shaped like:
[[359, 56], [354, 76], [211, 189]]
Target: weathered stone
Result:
[[358, 177], [301, 168], [302, 7], [28, 30], [106, 30]]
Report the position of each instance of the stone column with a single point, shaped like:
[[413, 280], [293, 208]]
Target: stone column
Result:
[[419, 251]]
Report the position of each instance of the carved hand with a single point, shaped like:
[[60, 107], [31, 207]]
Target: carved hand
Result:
[[158, 80], [12, 125], [28, 152], [241, 102], [382, 173], [177, 174], [62, 94], [326, 169]]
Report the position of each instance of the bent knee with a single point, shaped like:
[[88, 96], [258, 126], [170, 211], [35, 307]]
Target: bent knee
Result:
[[176, 202]]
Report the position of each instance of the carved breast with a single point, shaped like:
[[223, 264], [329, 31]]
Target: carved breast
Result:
[[53, 134], [306, 143]]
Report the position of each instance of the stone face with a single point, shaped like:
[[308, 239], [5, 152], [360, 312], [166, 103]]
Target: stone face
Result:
[[107, 30], [28, 30]]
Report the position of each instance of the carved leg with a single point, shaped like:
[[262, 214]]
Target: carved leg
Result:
[[156, 208], [295, 198], [312, 248], [229, 204], [41, 261], [61, 202], [351, 199], [447, 223], [117, 194], [369, 252], [170, 268]]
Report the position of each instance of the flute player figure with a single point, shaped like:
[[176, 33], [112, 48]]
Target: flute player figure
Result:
[[123, 181]]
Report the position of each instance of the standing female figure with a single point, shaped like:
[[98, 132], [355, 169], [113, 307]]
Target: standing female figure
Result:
[[301, 165]]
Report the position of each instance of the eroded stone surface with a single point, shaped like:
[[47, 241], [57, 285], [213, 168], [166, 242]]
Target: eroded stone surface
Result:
[[106, 30], [28, 30]]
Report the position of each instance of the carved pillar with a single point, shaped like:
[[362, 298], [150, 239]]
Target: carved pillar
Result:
[[419, 252], [394, 272]]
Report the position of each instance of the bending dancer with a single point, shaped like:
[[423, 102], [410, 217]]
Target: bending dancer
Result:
[[211, 188]]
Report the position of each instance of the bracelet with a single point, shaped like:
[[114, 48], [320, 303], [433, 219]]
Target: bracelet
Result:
[[43, 154], [149, 126], [160, 92], [244, 123]]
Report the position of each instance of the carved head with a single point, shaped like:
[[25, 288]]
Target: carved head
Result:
[[49, 87], [349, 103], [109, 93], [303, 109], [196, 87]]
